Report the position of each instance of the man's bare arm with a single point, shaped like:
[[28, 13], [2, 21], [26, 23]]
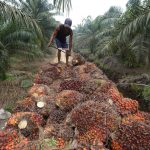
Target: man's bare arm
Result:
[[70, 41], [53, 36]]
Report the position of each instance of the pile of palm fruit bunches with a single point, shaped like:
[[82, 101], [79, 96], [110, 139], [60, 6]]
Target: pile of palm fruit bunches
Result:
[[75, 107]]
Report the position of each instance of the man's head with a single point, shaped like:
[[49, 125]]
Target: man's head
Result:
[[68, 21]]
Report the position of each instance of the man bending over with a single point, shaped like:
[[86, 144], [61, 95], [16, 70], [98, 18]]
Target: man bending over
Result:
[[60, 34]]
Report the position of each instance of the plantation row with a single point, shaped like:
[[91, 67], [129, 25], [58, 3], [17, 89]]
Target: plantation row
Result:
[[75, 107]]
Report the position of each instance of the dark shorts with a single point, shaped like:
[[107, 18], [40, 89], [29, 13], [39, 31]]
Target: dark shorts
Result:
[[61, 44]]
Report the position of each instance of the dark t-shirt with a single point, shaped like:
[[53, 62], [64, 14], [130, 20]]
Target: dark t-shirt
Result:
[[64, 31]]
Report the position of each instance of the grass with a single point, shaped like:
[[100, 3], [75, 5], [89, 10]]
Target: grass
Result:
[[10, 77]]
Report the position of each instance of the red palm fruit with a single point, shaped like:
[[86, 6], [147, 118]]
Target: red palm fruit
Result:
[[27, 123], [68, 99], [132, 134], [92, 114], [39, 90]]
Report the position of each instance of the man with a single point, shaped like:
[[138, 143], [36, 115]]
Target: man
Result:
[[60, 34]]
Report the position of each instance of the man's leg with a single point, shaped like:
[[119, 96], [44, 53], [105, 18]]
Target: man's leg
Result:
[[59, 47], [67, 58], [59, 55], [65, 47]]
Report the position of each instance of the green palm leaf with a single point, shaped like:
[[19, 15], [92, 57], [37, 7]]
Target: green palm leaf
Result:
[[9, 12], [136, 26], [63, 4]]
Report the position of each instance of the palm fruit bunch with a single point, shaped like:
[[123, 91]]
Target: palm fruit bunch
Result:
[[91, 140], [134, 117], [104, 86], [68, 99], [99, 97], [65, 71], [131, 135], [90, 67], [82, 73], [98, 74], [56, 85], [50, 71], [79, 70], [44, 105], [41, 105], [88, 87], [125, 106], [61, 135], [26, 105], [71, 85], [128, 106], [78, 60], [65, 132], [86, 68], [56, 116], [59, 131], [93, 115], [10, 140], [41, 79], [101, 92], [139, 116], [84, 76], [60, 143], [27, 123], [146, 117], [39, 90]]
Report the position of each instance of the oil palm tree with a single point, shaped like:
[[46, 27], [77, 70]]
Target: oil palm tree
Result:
[[40, 11], [95, 34], [130, 35], [85, 35], [12, 13], [18, 40], [13, 33], [135, 33]]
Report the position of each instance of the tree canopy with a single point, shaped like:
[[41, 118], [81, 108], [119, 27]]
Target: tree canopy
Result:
[[124, 35]]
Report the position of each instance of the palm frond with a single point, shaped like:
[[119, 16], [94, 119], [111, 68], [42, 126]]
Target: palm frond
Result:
[[109, 47], [63, 4], [140, 48], [106, 32], [109, 22], [22, 35], [136, 26], [9, 12]]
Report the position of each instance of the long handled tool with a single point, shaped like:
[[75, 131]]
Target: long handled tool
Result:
[[64, 51], [58, 48]]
